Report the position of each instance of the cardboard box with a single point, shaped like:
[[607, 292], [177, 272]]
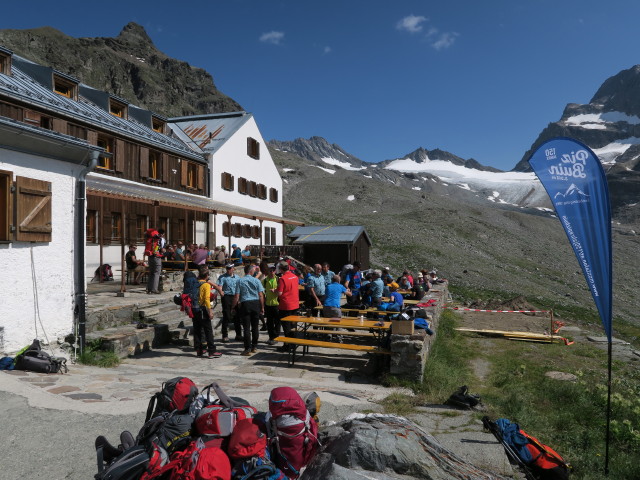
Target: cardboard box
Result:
[[402, 327]]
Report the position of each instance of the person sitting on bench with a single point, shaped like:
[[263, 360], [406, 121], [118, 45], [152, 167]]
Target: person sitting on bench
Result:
[[135, 266]]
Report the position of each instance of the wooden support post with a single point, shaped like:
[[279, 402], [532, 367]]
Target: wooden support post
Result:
[[101, 227], [123, 272]]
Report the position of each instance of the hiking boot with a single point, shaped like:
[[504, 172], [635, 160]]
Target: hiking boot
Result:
[[246, 353], [271, 342], [225, 340], [238, 339], [215, 355], [254, 350], [200, 354]]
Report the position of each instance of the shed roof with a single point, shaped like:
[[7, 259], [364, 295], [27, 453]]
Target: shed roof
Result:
[[25, 84], [328, 234], [208, 132]]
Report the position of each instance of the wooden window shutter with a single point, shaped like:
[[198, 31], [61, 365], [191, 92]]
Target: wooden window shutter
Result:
[[33, 210], [200, 177], [226, 229], [130, 229], [120, 153], [184, 172], [164, 160], [92, 137], [144, 162], [105, 229], [60, 125]]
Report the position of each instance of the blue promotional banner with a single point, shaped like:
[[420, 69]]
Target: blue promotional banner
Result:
[[574, 178]]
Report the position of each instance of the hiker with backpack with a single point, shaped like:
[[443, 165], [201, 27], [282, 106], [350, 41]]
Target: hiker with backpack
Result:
[[153, 245], [202, 327]]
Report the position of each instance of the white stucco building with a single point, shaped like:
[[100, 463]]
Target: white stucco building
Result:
[[39, 174]]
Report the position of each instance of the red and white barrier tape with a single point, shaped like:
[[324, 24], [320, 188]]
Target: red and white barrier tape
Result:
[[497, 311]]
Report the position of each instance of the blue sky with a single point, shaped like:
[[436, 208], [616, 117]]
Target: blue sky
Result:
[[379, 78]]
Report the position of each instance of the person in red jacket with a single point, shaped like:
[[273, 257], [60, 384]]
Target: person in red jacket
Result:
[[288, 298]]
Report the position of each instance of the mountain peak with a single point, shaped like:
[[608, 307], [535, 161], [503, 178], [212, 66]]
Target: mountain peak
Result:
[[134, 33]]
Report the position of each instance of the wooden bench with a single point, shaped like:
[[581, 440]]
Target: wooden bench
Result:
[[306, 343], [341, 332]]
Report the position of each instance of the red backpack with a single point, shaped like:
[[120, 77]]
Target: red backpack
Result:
[[196, 462], [151, 245], [177, 395], [292, 431]]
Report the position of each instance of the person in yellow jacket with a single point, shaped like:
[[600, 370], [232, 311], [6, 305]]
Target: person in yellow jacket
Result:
[[202, 326], [270, 284]]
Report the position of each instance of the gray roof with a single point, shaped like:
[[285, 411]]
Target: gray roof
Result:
[[26, 88], [328, 234], [208, 132]]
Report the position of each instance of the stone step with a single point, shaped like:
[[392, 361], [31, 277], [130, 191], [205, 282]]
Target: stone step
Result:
[[128, 340]]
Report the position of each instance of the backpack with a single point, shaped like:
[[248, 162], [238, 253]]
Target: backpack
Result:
[[217, 420], [257, 468], [527, 451], [151, 245], [292, 431], [129, 465], [7, 363], [103, 271], [191, 287], [34, 359], [176, 394]]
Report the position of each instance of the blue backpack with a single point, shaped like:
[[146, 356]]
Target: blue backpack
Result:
[[191, 287], [6, 363]]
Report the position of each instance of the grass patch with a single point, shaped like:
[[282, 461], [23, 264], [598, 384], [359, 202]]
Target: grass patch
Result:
[[569, 416], [447, 369], [93, 355]]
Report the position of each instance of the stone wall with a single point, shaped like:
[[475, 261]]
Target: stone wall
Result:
[[409, 353]]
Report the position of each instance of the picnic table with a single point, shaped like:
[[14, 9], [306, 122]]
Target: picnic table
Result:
[[378, 330]]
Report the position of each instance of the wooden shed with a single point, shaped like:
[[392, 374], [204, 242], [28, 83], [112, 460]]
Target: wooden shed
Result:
[[339, 245]]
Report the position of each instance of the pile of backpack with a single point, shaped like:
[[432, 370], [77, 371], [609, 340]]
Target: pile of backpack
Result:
[[207, 435]]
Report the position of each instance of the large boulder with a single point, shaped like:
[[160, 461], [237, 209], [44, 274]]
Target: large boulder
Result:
[[383, 447]]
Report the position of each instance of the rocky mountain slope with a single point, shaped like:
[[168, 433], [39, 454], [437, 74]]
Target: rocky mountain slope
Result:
[[471, 241], [129, 66], [610, 125]]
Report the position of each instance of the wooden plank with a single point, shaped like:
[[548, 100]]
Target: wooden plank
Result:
[[344, 322], [341, 346], [341, 332]]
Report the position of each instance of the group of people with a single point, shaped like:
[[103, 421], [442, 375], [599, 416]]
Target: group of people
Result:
[[266, 293], [246, 301]]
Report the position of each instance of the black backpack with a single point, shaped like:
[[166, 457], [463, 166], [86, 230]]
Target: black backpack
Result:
[[34, 359]]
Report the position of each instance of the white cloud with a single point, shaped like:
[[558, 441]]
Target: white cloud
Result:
[[445, 40], [326, 50], [411, 23], [272, 37]]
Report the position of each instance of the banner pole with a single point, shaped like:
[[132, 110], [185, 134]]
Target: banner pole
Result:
[[606, 454]]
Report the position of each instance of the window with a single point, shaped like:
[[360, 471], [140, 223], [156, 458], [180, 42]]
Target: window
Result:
[[105, 161], [141, 227], [157, 125], [36, 118], [92, 231], [269, 236], [117, 109], [6, 179], [262, 191], [253, 148], [116, 227], [227, 181], [273, 195], [242, 186], [192, 175], [65, 87], [154, 165], [5, 62]]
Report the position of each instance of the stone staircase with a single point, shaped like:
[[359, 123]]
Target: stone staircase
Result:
[[147, 327]]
